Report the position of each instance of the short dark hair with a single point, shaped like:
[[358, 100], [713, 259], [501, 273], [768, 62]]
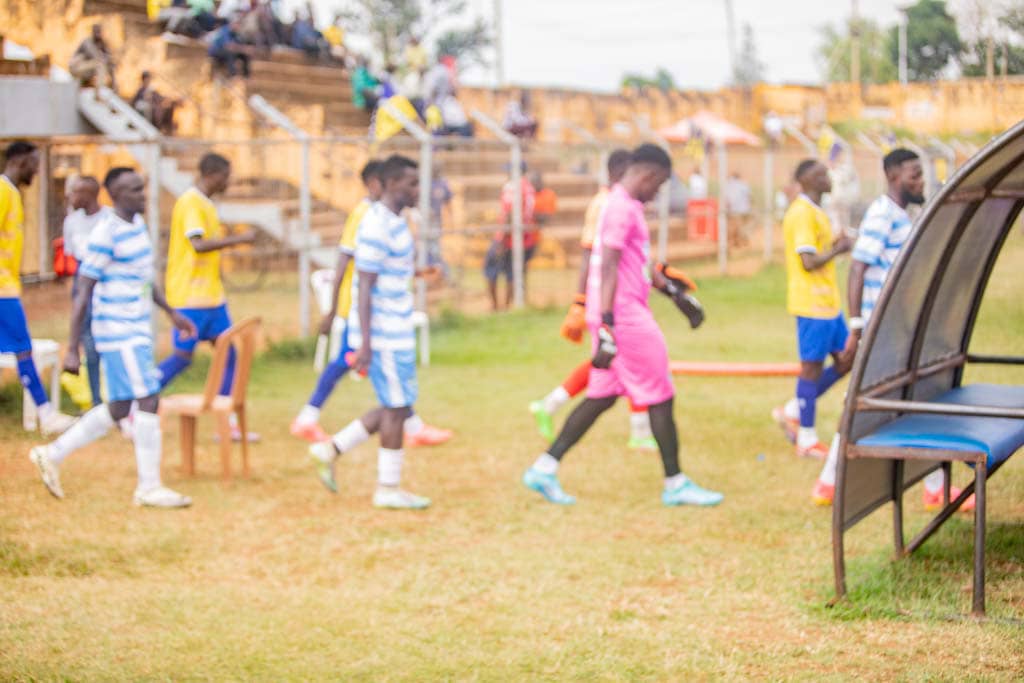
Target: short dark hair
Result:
[[115, 173], [618, 161], [371, 170], [803, 167], [651, 154], [394, 166], [18, 148], [897, 157], [213, 163], [90, 181]]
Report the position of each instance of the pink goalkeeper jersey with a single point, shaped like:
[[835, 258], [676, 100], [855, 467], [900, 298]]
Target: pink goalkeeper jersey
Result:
[[622, 226]]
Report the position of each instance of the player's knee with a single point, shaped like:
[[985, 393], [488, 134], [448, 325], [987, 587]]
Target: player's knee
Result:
[[24, 355], [150, 404], [119, 410], [810, 371]]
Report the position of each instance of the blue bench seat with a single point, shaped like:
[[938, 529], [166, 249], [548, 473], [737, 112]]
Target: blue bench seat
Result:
[[997, 437]]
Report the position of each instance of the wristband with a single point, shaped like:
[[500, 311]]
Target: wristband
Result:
[[857, 323], [608, 318]]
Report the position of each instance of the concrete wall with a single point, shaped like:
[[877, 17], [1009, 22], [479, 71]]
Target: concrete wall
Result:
[[39, 107]]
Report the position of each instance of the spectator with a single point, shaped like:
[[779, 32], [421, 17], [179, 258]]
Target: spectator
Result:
[[233, 9], [438, 83], [698, 186], [335, 37], [440, 204], [228, 53], [204, 14], [305, 37], [414, 56], [92, 63], [499, 256], [453, 118], [386, 89], [518, 120], [259, 27], [364, 86], [737, 209], [545, 203], [411, 87], [157, 109]]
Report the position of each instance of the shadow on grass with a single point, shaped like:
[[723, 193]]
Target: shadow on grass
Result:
[[935, 582]]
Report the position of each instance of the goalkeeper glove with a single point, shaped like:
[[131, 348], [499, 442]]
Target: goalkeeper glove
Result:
[[677, 288], [606, 348], [575, 320]]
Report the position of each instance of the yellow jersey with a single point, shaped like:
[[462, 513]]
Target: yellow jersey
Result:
[[12, 238], [592, 218], [193, 279], [348, 245], [806, 230]]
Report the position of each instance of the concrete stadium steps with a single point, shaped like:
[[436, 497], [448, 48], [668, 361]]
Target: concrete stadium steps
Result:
[[488, 187], [133, 12], [326, 221]]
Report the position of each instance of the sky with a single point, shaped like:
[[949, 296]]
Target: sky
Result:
[[589, 44]]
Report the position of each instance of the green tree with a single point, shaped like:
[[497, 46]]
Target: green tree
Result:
[[662, 80], [1009, 46], [933, 41], [749, 68], [389, 23], [876, 63]]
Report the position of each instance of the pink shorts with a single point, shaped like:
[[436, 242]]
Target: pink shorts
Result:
[[640, 369]]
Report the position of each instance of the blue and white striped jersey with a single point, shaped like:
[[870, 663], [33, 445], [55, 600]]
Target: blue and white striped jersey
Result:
[[384, 246], [120, 258], [883, 232]]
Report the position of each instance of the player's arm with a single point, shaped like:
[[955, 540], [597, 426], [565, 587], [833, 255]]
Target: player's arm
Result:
[[339, 275], [677, 286], [72, 359], [812, 260], [203, 245], [367, 281], [855, 293], [606, 348], [186, 326]]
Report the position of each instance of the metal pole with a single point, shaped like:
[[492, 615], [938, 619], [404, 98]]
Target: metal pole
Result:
[[769, 200], [499, 45], [305, 211], [902, 39], [723, 226], [519, 296], [426, 178]]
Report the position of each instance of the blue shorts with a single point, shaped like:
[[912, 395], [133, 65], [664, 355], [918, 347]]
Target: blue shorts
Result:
[[393, 374], [131, 373], [817, 338], [209, 322], [495, 264], [14, 336]]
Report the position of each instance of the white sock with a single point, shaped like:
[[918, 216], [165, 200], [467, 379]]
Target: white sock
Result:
[[806, 437], [555, 400], [934, 482], [828, 472], [148, 440], [309, 415], [90, 427], [640, 425], [389, 466], [792, 409], [675, 481], [351, 436], [412, 424], [45, 411], [546, 464]]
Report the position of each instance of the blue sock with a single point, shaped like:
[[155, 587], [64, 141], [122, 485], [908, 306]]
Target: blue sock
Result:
[[330, 377], [30, 380], [171, 367], [828, 377], [229, 374], [806, 396]]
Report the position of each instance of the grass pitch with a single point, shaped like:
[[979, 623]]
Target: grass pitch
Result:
[[273, 578]]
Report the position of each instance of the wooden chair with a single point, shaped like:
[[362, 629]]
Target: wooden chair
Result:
[[189, 407]]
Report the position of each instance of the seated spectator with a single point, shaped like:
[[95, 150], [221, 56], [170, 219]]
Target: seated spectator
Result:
[[365, 86], [192, 18], [157, 109], [414, 56], [92, 63], [518, 120], [387, 89], [258, 27], [499, 256], [228, 53], [453, 118], [233, 9], [307, 38], [335, 37], [411, 87], [438, 83], [545, 203], [203, 12]]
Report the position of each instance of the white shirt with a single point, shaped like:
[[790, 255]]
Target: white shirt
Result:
[[78, 226], [698, 186]]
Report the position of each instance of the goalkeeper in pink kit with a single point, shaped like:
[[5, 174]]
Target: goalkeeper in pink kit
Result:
[[630, 356]]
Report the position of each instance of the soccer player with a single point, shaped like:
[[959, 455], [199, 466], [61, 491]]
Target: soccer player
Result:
[[884, 230], [813, 297], [380, 327], [193, 279], [630, 356], [118, 277], [640, 437], [21, 163], [86, 214], [306, 424]]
